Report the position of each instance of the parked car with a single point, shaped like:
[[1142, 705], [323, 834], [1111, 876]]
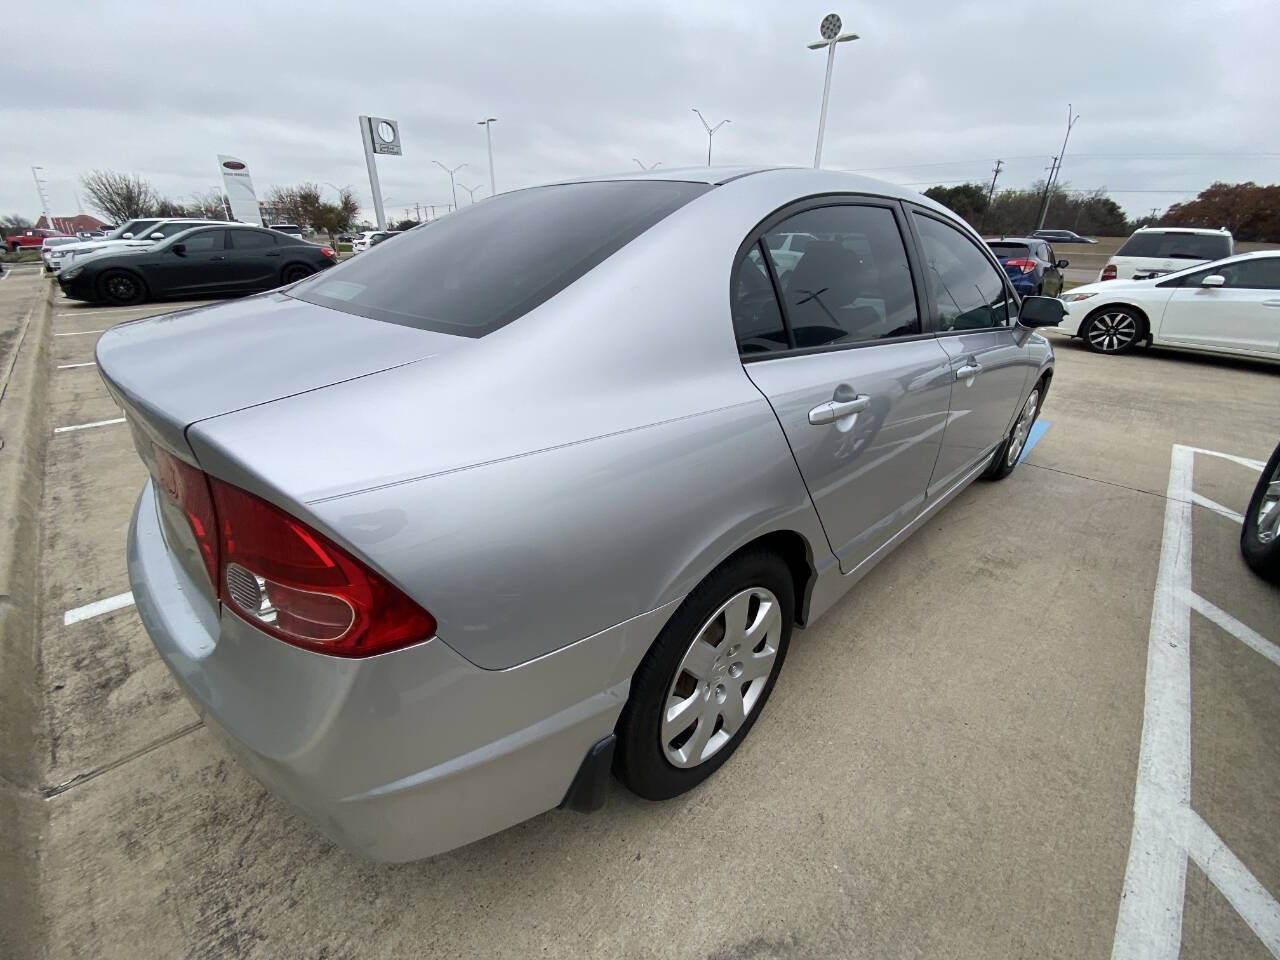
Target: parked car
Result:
[[290, 228], [439, 537], [52, 250], [31, 239], [1229, 306], [1031, 265], [370, 238], [144, 237], [91, 234], [204, 261], [1061, 236], [1155, 251], [1260, 532], [128, 230]]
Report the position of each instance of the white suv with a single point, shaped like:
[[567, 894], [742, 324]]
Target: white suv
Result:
[[147, 233], [1155, 251]]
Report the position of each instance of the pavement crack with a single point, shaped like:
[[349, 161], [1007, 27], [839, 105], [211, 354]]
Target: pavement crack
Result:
[[50, 792], [1109, 483]]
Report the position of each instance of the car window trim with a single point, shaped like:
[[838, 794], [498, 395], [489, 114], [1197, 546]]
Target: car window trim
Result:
[[755, 238], [1011, 295]]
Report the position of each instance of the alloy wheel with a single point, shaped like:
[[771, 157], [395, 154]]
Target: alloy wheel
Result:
[[721, 677], [1112, 332], [121, 287], [1022, 429]]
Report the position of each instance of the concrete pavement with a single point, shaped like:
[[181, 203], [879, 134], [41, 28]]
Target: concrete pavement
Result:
[[947, 766]]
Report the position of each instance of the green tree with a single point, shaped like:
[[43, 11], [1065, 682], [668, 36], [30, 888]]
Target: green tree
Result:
[[332, 219], [967, 200], [405, 225]]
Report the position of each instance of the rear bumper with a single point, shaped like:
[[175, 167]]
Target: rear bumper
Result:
[[399, 756]]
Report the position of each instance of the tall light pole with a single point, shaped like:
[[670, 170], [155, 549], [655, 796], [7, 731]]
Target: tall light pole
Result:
[[471, 191], [488, 136], [711, 132], [452, 185], [1053, 174], [831, 35], [652, 166], [44, 200]]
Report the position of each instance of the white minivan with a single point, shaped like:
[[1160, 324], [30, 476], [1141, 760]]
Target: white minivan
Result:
[[1155, 251]]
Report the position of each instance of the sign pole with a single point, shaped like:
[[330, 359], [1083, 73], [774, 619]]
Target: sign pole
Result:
[[366, 137]]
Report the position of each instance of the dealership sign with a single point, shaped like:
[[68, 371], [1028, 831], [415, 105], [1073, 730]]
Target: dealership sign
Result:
[[238, 187], [384, 135]]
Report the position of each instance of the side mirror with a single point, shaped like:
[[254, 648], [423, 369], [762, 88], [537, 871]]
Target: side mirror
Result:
[[157, 236], [1063, 264], [180, 249], [1041, 312], [1214, 280]]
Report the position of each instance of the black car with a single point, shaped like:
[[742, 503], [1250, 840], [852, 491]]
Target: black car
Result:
[[1061, 236], [1030, 264], [201, 262]]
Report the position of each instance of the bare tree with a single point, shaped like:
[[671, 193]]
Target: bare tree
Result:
[[120, 196], [207, 205]]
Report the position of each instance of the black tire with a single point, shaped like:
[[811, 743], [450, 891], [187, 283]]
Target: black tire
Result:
[[295, 272], [121, 288], [640, 760], [1261, 549], [1114, 330], [1007, 454]]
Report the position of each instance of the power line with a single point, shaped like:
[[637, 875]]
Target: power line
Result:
[[1041, 156]]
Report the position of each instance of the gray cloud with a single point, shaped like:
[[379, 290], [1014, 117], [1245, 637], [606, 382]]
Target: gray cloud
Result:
[[933, 92]]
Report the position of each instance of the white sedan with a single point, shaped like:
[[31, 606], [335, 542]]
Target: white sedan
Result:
[[1228, 306]]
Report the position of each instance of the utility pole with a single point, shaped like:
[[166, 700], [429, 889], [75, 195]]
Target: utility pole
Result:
[[488, 136], [1044, 197], [1053, 175], [1154, 211], [995, 173]]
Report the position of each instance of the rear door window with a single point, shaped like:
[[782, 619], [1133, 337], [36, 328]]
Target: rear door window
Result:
[[851, 283], [478, 269], [251, 240]]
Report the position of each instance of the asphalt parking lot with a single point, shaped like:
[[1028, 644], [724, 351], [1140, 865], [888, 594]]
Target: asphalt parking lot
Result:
[[948, 766]]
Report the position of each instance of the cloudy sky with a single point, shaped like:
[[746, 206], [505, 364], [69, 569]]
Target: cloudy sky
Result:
[[1171, 96]]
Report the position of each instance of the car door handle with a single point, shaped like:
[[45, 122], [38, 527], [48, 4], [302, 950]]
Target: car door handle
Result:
[[833, 410], [273, 253], [217, 258], [1271, 303], [968, 370]]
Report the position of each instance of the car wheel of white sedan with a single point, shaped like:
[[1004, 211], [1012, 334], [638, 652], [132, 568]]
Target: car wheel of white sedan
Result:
[[1113, 330], [706, 679]]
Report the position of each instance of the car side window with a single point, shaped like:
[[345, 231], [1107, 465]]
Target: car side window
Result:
[[1260, 274], [848, 281], [757, 319], [204, 242], [1046, 253], [251, 240], [970, 294]]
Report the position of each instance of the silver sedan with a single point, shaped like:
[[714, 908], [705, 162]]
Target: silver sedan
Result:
[[439, 537]]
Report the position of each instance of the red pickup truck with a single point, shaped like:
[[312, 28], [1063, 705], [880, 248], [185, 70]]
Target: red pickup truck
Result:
[[29, 239]]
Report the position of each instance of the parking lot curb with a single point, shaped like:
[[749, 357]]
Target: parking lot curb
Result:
[[24, 390]]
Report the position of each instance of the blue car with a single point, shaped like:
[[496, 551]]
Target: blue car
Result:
[[1030, 264]]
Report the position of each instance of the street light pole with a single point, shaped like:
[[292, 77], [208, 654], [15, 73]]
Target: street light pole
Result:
[[452, 184], [711, 132], [488, 136], [831, 35], [44, 200], [471, 191], [1053, 175]]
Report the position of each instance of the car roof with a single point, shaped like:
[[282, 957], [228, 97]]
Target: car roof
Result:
[[1013, 239], [1215, 231]]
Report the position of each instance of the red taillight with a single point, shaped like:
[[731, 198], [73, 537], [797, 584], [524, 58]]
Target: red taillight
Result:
[[1026, 266], [328, 252], [1108, 272], [286, 579]]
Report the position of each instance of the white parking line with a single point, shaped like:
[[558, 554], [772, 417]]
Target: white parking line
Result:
[[98, 608], [80, 333], [86, 426], [72, 366], [1217, 507], [1166, 830]]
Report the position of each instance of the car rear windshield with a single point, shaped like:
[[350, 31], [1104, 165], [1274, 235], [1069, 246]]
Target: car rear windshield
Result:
[[1175, 246], [474, 271], [1010, 250]]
